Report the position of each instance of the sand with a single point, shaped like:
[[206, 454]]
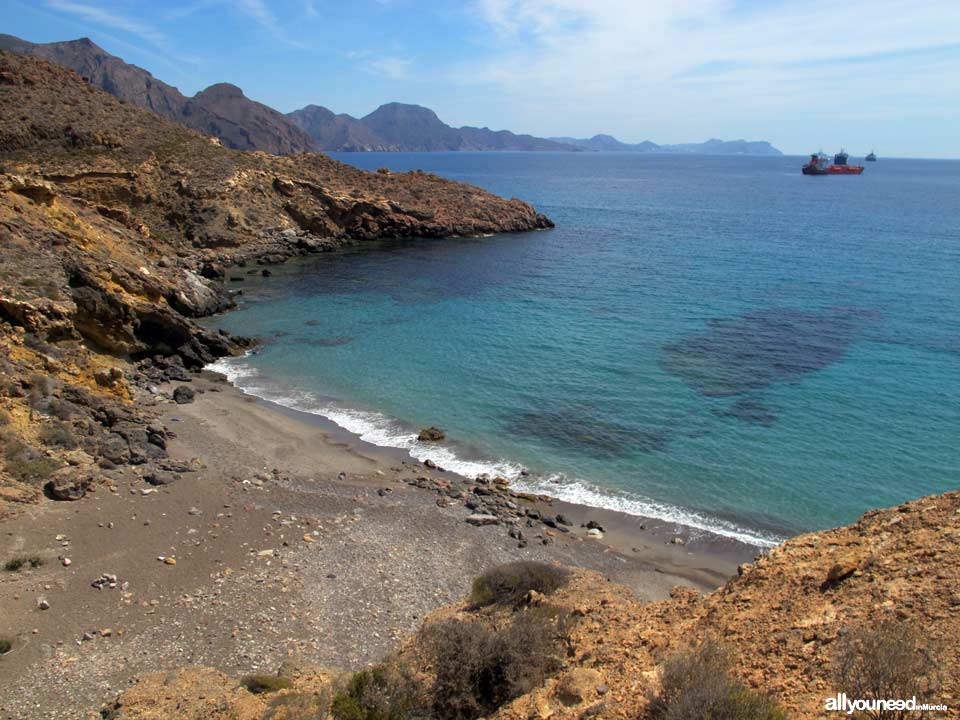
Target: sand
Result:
[[292, 538]]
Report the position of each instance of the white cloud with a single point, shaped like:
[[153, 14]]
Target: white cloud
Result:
[[652, 63], [102, 17]]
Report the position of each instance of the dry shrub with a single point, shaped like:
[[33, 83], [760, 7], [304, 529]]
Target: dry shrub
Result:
[[299, 706], [382, 693], [258, 684], [697, 684], [480, 667], [886, 661], [59, 434], [510, 583], [25, 462]]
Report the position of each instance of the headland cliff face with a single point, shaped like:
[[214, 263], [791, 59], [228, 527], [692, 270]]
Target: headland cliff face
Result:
[[117, 227]]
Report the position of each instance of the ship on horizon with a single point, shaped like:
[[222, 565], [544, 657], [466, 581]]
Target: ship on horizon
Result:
[[818, 165], [871, 156]]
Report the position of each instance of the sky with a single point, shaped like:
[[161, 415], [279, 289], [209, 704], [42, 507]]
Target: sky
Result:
[[802, 74]]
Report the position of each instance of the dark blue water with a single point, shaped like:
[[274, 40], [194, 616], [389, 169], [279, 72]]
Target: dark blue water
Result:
[[720, 341]]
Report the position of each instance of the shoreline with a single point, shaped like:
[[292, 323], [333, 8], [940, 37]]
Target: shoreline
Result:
[[623, 532], [703, 527]]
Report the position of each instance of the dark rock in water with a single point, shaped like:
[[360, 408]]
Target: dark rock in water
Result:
[[589, 430], [183, 395], [431, 434], [748, 410], [68, 485], [265, 273], [748, 352]]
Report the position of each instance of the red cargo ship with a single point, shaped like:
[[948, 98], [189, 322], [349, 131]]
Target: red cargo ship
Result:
[[818, 165]]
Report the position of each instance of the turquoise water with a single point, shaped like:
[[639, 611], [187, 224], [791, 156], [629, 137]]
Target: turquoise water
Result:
[[717, 341]]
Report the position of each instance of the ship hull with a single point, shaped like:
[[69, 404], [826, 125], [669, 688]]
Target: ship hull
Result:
[[845, 169], [808, 170]]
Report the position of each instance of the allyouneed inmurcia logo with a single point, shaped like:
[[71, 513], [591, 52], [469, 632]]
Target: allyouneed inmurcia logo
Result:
[[841, 703]]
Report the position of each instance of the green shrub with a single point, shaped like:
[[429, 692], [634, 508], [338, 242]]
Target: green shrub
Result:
[[376, 694], [883, 661], [480, 667], [6, 645], [697, 684], [258, 684], [510, 583], [14, 564]]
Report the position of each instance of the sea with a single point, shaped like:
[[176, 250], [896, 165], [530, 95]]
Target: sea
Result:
[[717, 342]]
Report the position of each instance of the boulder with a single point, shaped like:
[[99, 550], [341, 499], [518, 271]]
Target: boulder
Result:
[[431, 434], [68, 484], [183, 395]]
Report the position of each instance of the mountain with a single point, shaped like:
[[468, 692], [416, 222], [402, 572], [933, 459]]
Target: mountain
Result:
[[608, 143], [221, 110], [409, 128]]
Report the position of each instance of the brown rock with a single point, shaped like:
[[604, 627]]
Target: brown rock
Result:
[[431, 434], [578, 685]]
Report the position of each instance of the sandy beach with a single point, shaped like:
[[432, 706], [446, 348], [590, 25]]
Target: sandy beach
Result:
[[280, 535]]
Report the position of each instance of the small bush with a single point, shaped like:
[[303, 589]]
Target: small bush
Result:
[[697, 684], [6, 645], [299, 706], [377, 694], [5, 417], [14, 564], [25, 462], [510, 583], [887, 660], [480, 667], [258, 684], [58, 434]]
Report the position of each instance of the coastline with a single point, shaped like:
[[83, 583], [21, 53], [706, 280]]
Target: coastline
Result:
[[292, 538], [377, 432], [658, 541]]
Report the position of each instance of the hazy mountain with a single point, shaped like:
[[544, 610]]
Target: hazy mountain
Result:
[[608, 143], [411, 128], [221, 110]]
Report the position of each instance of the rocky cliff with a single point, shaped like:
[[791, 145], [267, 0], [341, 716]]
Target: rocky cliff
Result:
[[221, 110], [117, 227]]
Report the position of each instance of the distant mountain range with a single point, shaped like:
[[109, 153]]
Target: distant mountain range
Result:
[[223, 111], [608, 143]]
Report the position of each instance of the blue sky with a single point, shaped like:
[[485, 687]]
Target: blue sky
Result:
[[803, 74]]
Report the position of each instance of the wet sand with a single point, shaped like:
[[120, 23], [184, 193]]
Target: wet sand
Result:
[[292, 538]]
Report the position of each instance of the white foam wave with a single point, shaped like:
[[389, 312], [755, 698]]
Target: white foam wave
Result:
[[582, 493], [383, 431]]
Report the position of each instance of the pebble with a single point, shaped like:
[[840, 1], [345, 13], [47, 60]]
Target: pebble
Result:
[[43, 604], [67, 562]]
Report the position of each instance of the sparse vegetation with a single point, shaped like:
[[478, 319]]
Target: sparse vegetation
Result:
[[58, 434], [25, 462], [889, 660], [697, 684], [14, 564], [299, 706], [480, 667], [6, 645], [511, 583], [258, 684], [379, 694]]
